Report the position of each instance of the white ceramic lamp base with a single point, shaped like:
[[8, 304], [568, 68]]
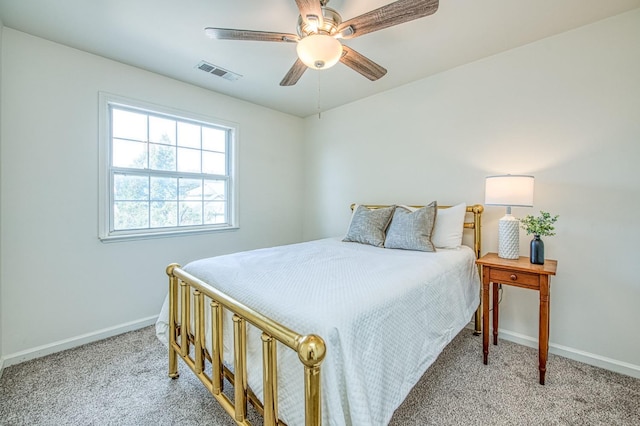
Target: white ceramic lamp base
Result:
[[509, 237]]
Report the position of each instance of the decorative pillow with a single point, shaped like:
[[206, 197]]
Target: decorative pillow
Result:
[[411, 230], [368, 226], [447, 232]]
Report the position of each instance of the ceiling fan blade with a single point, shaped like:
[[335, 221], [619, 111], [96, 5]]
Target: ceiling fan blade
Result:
[[395, 13], [294, 74], [361, 64], [231, 34], [310, 11]]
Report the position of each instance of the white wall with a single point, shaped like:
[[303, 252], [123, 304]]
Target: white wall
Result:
[[58, 280], [565, 109], [1, 357]]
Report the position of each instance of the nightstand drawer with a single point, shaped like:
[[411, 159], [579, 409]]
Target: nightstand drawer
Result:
[[514, 277]]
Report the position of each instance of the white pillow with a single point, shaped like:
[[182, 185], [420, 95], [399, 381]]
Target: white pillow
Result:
[[447, 232]]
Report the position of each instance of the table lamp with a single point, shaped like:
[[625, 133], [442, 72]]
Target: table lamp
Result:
[[509, 191]]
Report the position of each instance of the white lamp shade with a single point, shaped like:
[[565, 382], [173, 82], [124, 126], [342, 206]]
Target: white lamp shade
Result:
[[509, 190], [319, 51]]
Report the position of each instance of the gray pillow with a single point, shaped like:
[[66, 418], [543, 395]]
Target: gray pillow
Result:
[[368, 226], [412, 230]]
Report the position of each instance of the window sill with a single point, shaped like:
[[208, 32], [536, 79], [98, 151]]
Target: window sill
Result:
[[163, 234]]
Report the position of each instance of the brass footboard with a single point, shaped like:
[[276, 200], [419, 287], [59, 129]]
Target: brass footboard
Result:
[[184, 341]]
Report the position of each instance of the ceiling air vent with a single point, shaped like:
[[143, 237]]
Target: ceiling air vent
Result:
[[217, 71]]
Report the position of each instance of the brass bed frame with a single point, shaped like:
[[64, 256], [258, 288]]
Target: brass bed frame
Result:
[[190, 345]]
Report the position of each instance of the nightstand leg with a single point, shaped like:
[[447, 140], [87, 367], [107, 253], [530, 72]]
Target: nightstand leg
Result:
[[485, 315], [496, 304], [543, 337]]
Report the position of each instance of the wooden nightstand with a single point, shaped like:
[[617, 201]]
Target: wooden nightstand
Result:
[[520, 273]]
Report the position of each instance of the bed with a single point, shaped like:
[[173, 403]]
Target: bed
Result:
[[368, 323]]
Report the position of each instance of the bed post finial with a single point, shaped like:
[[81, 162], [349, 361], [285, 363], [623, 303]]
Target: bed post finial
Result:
[[311, 350], [171, 267]]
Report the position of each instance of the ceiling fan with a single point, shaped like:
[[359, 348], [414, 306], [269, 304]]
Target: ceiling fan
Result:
[[320, 29]]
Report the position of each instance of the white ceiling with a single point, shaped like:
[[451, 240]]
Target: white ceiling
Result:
[[167, 37]]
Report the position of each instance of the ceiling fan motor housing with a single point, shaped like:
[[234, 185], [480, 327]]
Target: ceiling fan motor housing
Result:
[[330, 22]]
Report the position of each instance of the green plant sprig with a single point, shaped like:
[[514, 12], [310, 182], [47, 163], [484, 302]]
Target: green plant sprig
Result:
[[541, 225]]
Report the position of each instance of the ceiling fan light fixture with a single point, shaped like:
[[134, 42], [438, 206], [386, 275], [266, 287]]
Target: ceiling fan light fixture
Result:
[[319, 51]]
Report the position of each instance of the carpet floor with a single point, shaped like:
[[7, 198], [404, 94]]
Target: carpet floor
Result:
[[122, 381]]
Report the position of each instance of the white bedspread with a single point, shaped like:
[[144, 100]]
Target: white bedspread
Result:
[[384, 314]]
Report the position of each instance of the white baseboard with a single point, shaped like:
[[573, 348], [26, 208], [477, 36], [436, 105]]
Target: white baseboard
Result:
[[575, 354], [73, 342]]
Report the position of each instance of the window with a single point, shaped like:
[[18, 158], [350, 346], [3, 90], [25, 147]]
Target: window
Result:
[[163, 172]]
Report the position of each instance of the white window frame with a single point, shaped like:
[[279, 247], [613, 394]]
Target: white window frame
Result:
[[106, 233]]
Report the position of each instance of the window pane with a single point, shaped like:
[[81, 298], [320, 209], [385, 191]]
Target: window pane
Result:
[[129, 154], [214, 190], [130, 215], [164, 188], [214, 163], [190, 189], [129, 125], [189, 135], [130, 187], [189, 160], [214, 139], [162, 157], [190, 213], [162, 130], [164, 214], [214, 212]]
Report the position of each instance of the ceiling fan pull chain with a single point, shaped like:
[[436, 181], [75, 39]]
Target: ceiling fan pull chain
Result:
[[319, 111]]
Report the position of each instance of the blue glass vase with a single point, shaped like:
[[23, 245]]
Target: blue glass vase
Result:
[[536, 254]]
